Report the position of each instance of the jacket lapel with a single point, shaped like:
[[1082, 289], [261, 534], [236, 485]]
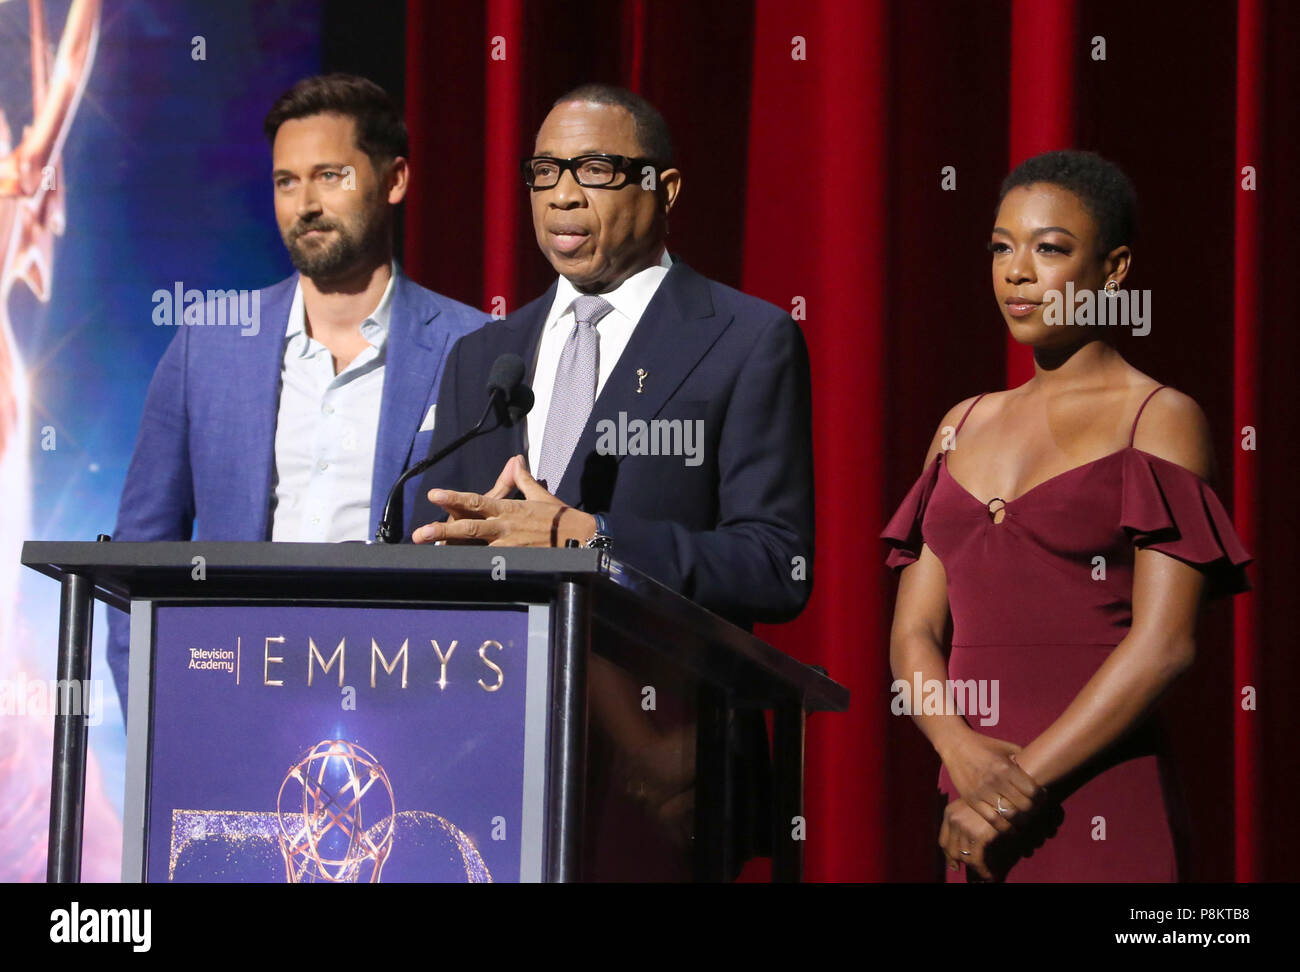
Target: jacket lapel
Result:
[[677, 329], [411, 358], [522, 334], [265, 359]]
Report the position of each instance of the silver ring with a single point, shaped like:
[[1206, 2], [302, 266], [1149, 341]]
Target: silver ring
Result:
[[1001, 812], [967, 853]]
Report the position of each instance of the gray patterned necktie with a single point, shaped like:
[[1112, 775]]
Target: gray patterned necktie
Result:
[[574, 392]]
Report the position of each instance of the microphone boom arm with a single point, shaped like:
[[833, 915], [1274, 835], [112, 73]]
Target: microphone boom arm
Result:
[[387, 529]]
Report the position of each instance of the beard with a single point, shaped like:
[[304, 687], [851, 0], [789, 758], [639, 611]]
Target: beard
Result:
[[347, 247]]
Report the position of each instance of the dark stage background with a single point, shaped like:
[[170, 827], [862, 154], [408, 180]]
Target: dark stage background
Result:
[[820, 178]]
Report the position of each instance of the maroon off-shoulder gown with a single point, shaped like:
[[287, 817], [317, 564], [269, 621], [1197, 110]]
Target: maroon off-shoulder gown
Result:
[[1031, 609]]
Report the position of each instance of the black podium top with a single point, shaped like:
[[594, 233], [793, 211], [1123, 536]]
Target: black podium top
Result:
[[624, 601]]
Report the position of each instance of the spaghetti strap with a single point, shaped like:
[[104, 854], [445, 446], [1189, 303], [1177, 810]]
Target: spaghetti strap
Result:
[[967, 415], [1133, 432]]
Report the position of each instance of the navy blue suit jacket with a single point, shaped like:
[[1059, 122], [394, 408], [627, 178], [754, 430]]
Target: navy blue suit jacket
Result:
[[204, 458], [727, 533]]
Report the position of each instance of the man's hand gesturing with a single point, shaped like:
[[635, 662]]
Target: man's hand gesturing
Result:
[[537, 520]]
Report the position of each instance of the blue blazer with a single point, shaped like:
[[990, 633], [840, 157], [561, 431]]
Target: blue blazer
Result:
[[727, 532], [204, 459]]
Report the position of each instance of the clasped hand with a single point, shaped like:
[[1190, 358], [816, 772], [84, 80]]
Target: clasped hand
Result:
[[490, 518], [997, 795]]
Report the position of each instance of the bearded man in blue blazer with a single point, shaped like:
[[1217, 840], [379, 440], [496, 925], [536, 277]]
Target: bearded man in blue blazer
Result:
[[672, 421], [295, 425]]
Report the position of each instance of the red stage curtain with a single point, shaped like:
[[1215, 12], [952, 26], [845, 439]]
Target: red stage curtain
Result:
[[1043, 37], [1245, 320], [819, 178], [817, 189], [1266, 348]]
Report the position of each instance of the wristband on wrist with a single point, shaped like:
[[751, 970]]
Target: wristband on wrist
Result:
[[555, 525]]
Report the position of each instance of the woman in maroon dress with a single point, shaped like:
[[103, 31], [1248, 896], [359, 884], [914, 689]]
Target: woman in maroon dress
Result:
[[1068, 527]]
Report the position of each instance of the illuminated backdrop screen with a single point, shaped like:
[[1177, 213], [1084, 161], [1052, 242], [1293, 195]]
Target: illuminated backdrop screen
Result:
[[159, 174]]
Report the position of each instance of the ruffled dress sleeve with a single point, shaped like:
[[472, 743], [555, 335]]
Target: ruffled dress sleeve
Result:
[[1169, 508], [903, 532]]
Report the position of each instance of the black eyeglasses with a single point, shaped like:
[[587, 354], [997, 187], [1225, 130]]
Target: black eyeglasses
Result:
[[591, 171]]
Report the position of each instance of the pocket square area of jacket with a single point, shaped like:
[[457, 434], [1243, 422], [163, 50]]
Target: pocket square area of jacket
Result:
[[427, 426]]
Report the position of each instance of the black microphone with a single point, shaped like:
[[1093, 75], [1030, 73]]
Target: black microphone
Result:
[[506, 376], [521, 403], [509, 399]]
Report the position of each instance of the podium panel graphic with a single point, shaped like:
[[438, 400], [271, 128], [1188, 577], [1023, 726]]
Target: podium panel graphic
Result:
[[331, 744]]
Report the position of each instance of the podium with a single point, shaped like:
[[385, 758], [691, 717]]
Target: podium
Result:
[[354, 712]]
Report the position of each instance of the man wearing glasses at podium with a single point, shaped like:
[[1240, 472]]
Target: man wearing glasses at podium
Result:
[[672, 416]]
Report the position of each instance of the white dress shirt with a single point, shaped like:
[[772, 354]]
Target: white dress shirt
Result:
[[326, 429], [629, 300]]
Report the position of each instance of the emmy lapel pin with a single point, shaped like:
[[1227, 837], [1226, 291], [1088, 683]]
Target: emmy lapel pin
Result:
[[641, 376]]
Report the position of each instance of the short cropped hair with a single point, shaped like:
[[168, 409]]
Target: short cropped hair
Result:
[[381, 131], [650, 127], [1102, 187]]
